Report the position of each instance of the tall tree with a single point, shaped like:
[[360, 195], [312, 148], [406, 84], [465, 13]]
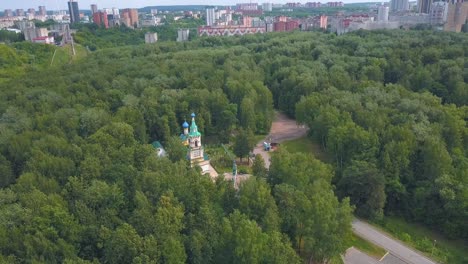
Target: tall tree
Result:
[[258, 167], [244, 143], [365, 186], [256, 201], [175, 150], [247, 114]]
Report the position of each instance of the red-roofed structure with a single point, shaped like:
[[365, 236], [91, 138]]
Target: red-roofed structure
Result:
[[44, 40]]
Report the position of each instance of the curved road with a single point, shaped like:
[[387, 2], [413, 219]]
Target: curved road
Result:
[[393, 246], [284, 128]]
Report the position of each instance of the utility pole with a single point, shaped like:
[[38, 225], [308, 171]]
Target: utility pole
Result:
[[433, 247], [234, 173], [73, 45], [234, 166]]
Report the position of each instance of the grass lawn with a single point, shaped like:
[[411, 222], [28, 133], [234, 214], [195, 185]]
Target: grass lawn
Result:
[[64, 54], [219, 160], [222, 162], [442, 250], [306, 145], [259, 137], [334, 260], [367, 247]]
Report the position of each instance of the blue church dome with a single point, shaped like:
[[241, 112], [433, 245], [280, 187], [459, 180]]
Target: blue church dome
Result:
[[185, 125], [193, 114]]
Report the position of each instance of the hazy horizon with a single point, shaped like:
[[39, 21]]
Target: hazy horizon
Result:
[[85, 4]]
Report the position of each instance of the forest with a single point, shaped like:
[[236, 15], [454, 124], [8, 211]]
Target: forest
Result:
[[80, 182], [95, 37]]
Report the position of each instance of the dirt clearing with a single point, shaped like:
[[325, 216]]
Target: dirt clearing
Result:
[[283, 128]]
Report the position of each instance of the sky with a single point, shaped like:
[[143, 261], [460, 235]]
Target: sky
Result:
[[85, 4]]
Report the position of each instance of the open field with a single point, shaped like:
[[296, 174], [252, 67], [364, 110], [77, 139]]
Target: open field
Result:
[[306, 145], [63, 54]]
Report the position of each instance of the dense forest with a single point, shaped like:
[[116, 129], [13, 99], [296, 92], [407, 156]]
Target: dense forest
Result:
[[81, 184], [95, 37]]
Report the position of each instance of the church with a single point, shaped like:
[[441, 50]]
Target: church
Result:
[[191, 138]]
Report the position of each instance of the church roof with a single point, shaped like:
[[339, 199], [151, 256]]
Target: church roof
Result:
[[185, 125], [194, 128], [156, 144]]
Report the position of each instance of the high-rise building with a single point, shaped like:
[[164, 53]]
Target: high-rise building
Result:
[[247, 21], [247, 6], [335, 4], [270, 27], [281, 19], [183, 35], [74, 11], [125, 19], [227, 18], [113, 20], [457, 15], [281, 26], [31, 11], [42, 11], [29, 33], [424, 6], [455, 1], [292, 25], [399, 5], [130, 15], [382, 14], [19, 12], [439, 12], [151, 37], [24, 24], [42, 32], [108, 11], [115, 11], [100, 18], [323, 22], [267, 7], [94, 9], [8, 13], [313, 4], [210, 16]]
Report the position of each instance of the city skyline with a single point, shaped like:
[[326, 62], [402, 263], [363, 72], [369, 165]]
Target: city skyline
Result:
[[85, 4]]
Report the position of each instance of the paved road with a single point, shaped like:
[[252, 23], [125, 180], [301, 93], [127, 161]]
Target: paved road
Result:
[[354, 256], [395, 247], [391, 259], [265, 155], [284, 128]]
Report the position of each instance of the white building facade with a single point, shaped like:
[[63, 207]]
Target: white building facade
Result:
[[267, 7], [382, 14], [438, 13], [210, 16]]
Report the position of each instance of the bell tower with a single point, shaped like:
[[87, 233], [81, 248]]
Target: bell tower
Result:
[[196, 154]]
